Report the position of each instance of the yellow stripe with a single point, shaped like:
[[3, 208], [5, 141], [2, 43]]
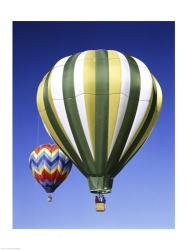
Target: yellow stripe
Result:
[[33, 170], [45, 150], [39, 98], [44, 167], [114, 92], [155, 116], [159, 95], [43, 114], [89, 87]]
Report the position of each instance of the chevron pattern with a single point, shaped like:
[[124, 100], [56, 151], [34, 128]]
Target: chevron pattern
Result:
[[49, 166]]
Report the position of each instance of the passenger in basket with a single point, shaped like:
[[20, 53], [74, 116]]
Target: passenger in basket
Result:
[[97, 199]]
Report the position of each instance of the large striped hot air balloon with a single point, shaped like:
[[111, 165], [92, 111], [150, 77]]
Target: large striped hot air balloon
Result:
[[49, 166], [99, 106]]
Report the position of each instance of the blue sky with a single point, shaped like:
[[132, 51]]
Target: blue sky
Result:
[[143, 192]]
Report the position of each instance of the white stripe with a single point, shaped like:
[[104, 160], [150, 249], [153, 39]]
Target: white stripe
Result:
[[125, 89], [146, 88], [61, 111], [61, 62], [59, 103], [56, 79], [125, 78], [146, 81], [79, 90], [78, 74]]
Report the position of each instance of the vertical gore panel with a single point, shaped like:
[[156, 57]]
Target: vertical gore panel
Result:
[[114, 92], [101, 110], [89, 90]]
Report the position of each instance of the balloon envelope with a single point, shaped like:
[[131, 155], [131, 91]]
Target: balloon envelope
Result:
[[49, 166], [99, 106]]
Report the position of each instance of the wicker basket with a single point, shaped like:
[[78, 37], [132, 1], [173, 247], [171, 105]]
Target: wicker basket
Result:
[[100, 207]]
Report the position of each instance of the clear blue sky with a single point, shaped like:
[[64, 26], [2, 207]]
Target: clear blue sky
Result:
[[143, 192]]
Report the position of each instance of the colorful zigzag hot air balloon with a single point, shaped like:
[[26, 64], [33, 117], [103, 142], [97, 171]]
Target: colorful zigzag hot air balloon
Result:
[[49, 166], [99, 106]]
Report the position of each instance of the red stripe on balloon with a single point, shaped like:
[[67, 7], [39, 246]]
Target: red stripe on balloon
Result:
[[53, 176]]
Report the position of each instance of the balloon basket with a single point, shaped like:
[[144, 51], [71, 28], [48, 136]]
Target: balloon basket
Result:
[[100, 206], [49, 198]]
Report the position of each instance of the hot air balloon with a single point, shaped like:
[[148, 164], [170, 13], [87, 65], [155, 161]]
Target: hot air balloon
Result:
[[99, 106], [49, 166]]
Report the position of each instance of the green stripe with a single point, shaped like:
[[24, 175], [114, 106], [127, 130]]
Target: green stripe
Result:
[[129, 115], [101, 111], [73, 115], [56, 126], [124, 161]]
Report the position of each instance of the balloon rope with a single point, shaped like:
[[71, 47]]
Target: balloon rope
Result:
[[38, 131]]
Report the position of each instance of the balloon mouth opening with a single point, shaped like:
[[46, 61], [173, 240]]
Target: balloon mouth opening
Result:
[[100, 184], [101, 191]]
